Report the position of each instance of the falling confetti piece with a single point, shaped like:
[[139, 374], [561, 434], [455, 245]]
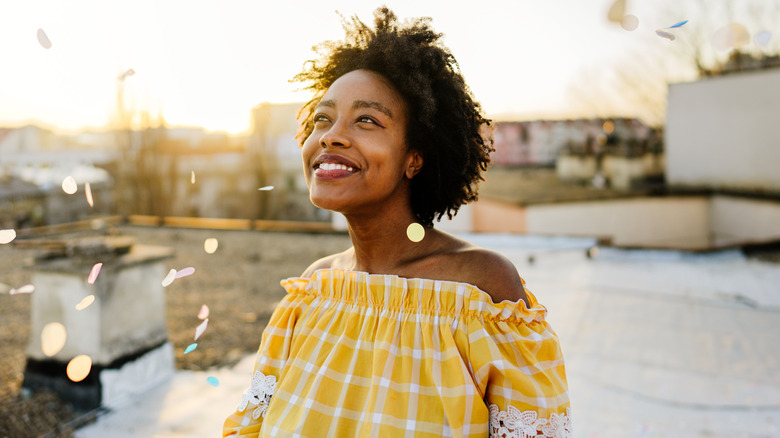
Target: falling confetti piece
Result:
[[93, 274], [676, 25], [43, 39], [85, 302], [79, 367], [617, 11], [129, 72], [415, 232], [26, 289], [201, 328], [213, 381], [169, 278], [7, 236], [629, 22], [192, 177], [210, 245], [762, 38], [665, 34], [69, 185], [185, 272], [266, 188], [190, 348], [53, 337], [204, 312], [88, 191]]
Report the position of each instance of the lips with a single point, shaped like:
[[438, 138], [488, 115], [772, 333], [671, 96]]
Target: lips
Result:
[[331, 166]]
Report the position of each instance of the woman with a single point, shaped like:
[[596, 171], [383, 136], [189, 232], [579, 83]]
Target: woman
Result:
[[398, 336]]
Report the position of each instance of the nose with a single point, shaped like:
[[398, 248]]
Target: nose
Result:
[[335, 136]]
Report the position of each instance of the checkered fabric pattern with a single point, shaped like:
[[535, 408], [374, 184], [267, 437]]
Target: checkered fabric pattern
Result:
[[359, 354]]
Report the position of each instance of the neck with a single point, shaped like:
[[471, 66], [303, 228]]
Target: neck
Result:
[[380, 242]]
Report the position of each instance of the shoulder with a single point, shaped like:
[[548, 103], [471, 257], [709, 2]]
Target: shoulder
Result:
[[327, 262], [492, 273]]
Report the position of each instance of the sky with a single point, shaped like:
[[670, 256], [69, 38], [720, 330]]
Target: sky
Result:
[[208, 63]]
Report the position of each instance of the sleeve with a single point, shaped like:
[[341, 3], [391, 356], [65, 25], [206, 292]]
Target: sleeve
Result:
[[272, 356], [519, 367]]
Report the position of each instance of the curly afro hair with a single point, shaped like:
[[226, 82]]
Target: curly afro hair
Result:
[[445, 123]]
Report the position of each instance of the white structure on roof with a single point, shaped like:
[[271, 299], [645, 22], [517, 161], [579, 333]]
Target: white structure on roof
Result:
[[723, 132]]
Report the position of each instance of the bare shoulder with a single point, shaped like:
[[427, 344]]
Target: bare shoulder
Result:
[[492, 273], [327, 262]]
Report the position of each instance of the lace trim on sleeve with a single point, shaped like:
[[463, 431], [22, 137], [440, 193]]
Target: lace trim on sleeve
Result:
[[513, 423], [258, 394]]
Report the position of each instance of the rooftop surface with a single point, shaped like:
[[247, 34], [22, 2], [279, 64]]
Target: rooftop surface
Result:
[[657, 344]]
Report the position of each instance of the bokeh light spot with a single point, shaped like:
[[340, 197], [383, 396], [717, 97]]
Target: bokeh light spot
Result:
[[629, 22], [69, 185], [415, 232], [7, 236], [79, 367], [762, 38], [53, 337], [210, 245]]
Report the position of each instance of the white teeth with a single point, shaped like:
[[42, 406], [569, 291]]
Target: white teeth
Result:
[[335, 166]]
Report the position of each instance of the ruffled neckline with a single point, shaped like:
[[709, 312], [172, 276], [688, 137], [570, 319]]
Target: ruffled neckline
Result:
[[466, 297]]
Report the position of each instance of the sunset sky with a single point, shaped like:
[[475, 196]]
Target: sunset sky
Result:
[[207, 63]]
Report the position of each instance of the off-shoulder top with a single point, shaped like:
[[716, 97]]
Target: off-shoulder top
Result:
[[350, 354]]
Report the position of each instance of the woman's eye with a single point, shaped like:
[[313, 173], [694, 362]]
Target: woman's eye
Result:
[[320, 118], [367, 119]]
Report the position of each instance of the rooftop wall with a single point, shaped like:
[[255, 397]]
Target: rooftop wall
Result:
[[724, 132]]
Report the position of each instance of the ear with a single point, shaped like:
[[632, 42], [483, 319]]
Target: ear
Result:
[[414, 164]]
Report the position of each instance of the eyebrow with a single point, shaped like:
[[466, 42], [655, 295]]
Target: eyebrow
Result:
[[361, 104]]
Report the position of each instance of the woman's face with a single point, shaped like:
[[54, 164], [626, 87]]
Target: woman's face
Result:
[[356, 159]]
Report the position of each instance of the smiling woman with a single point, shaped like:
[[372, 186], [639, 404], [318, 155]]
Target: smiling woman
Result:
[[411, 331]]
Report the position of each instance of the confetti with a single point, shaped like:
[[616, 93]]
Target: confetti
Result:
[[88, 192], [169, 278], [7, 236], [129, 72], [723, 38], [53, 338], [26, 289], [617, 11], [210, 245], [79, 367], [201, 328], [266, 188], [762, 38], [665, 34], [415, 232], [185, 272], [190, 348], [93, 274], [204, 312], [89, 299], [43, 39], [741, 35], [192, 177], [213, 381], [69, 185], [679, 24], [629, 22]]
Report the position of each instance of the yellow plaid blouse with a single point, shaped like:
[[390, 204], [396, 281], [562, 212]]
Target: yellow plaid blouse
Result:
[[350, 354]]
